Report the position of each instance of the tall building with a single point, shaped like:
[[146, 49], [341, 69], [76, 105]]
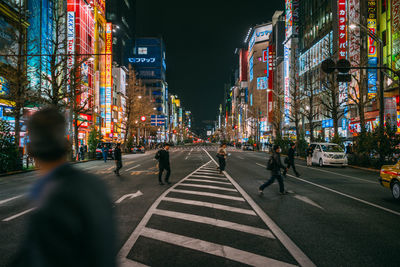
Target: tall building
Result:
[[122, 14]]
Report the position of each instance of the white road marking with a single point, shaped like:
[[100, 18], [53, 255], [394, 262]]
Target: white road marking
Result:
[[89, 168], [216, 222], [207, 181], [240, 157], [130, 196], [348, 196], [209, 187], [133, 167], [293, 249], [343, 175], [209, 205], [212, 248], [261, 165], [308, 201], [207, 194], [18, 215], [206, 176], [124, 251], [10, 199]]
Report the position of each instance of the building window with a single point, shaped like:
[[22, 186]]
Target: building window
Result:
[[142, 50], [384, 38]]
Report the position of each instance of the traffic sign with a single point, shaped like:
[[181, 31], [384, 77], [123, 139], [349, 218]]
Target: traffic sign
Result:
[[157, 120]]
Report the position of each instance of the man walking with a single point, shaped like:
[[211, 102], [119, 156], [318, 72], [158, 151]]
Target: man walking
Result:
[[221, 154], [290, 158], [118, 159], [275, 165], [72, 224], [104, 150], [163, 164], [309, 155]]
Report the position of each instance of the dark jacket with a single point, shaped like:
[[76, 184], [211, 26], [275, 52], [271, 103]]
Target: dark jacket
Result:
[[72, 225], [309, 152], [163, 157], [277, 163], [291, 154], [117, 154]]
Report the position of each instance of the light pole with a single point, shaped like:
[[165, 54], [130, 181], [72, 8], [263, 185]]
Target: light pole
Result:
[[381, 80]]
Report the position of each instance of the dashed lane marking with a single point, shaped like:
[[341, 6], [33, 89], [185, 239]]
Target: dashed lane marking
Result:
[[293, 249], [207, 194], [10, 199], [17, 215], [134, 167], [212, 248], [261, 165], [216, 222], [210, 205]]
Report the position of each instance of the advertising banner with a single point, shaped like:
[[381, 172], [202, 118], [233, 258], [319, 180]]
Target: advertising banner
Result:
[[396, 34], [292, 16], [70, 38], [251, 62], [262, 83], [390, 111], [108, 74], [260, 34], [270, 66], [287, 83], [372, 49], [243, 55]]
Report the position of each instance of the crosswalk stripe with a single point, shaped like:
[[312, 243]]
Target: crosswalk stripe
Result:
[[134, 167], [207, 194], [216, 222], [207, 181], [209, 171], [210, 205], [209, 187], [207, 176], [212, 248]]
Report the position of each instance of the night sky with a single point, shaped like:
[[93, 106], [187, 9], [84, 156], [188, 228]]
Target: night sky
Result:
[[201, 37]]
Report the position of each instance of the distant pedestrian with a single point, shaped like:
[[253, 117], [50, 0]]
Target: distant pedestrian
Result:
[[82, 153], [275, 165], [72, 224], [163, 164], [221, 154], [118, 159], [349, 149], [104, 150], [309, 155], [290, 160]]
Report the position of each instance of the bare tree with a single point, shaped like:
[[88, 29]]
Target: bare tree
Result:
[[309, 103], [358, 96], [295, 99]]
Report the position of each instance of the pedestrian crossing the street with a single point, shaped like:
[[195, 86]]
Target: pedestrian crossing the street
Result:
[[206, 220]]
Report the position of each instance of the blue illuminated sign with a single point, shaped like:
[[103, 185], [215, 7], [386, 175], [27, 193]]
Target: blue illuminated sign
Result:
[[262, 83], [142, 60], [251, 64], [327, 123]]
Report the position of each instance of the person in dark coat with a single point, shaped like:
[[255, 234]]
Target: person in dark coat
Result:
[[72, 222], [118, 159], [104, 150], [275, 172], [222, 154], [309, 155], [82, 153], [290, 160], [163, 164]]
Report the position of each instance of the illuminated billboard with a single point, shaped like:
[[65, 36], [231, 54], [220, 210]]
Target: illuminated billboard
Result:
[[251, 65], [108, 73], [342, 32], [260, 34], [396, 34], [286, 75], [262, 83], [372, 49], [292, 16]]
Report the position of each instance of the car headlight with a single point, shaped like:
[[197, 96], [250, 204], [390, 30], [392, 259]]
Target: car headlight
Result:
[[326, 155]]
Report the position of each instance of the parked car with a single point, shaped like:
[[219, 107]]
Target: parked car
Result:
[[390, 178], [110, 147], [328, 154], [138, 149]]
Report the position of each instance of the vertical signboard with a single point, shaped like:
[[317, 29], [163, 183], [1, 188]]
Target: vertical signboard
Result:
[[108, 73], [372, 49], [287, 83], [271, 60], [70, 42], [342, 36], [396, 34]]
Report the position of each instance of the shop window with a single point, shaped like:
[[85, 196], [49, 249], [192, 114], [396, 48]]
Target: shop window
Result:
[[384, 38]]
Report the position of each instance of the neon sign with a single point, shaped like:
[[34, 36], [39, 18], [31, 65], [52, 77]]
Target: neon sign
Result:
[[372, 49], [108, 76]]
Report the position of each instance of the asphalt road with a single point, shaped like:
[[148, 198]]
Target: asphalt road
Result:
[[331, 216]]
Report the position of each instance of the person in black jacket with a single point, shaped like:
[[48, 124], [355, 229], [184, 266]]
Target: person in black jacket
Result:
[[163, 164], [118, 159], [290, 160], [276, 171], [309, 154], [72, 224]]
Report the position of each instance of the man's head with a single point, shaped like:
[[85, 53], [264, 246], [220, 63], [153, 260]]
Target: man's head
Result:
[[277, 149], [118, 145], [46, 130], [166, 146]]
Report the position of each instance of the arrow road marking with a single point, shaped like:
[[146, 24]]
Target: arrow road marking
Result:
[[308, 201], [130, 196]]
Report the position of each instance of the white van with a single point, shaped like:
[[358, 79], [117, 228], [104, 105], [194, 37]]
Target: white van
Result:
[[328, 154]]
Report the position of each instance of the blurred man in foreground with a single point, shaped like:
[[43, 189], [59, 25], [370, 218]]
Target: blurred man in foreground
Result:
[[72, 224]]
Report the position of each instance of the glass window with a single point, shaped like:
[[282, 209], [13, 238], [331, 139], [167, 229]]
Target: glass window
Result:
[[332, 148]]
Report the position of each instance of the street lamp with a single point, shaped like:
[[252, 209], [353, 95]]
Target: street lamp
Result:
[[381, 80]]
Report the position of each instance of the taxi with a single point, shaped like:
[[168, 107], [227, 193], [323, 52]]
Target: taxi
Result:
[[390, 178]]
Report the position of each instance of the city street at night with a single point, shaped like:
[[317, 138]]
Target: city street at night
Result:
[[330, 216]]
